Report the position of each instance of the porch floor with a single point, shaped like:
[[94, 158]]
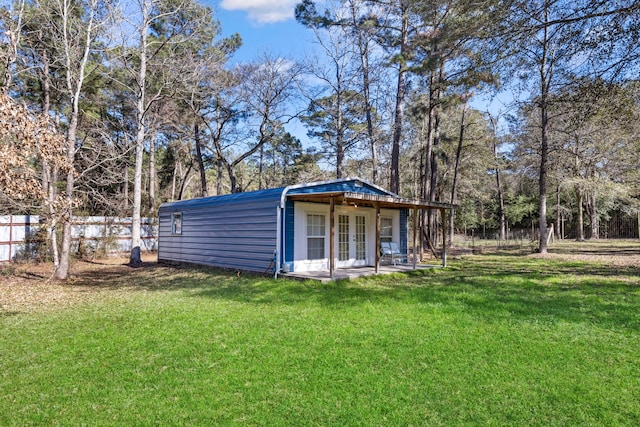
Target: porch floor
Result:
[[355, 272]]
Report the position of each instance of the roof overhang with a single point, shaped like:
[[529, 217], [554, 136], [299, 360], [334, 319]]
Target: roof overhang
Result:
[[368, 200]]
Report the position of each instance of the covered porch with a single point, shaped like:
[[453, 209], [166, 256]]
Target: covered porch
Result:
[[376, 202]]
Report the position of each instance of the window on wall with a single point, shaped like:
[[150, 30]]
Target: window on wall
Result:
[[386, 229], [315, 236], [176, 223]]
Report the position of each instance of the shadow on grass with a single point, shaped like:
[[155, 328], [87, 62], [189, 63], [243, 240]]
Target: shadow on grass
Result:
[[494, 287]]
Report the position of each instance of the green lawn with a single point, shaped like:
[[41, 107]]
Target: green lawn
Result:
[[492, 340]]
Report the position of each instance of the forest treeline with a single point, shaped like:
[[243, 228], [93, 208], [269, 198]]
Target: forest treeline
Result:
[[111, 108]]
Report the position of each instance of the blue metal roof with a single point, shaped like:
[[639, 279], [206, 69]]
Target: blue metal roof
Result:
[[349, 185], [272, 193], [353, 185]]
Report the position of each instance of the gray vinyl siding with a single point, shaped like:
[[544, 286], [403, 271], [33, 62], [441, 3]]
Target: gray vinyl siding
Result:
[[239, 231], [235, 231]]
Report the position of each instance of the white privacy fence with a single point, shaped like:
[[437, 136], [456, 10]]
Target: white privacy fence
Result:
[[21, 234]]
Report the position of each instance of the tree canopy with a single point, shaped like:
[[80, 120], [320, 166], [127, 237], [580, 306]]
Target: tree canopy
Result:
[[116, 107]]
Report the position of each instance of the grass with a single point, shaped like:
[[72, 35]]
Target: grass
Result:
[[492, 340]]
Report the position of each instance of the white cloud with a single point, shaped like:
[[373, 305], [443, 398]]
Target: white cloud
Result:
[[263, 11]]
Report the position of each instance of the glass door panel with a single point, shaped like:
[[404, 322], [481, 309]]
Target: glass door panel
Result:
[[343, 238], [361, 238]]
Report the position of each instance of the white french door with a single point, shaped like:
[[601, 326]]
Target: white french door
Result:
[[351, 241]]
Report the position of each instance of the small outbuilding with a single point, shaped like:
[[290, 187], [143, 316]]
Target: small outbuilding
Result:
[[318, 226]]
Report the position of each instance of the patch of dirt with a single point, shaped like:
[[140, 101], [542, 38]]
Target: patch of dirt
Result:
[[618, 260], [30, 287], [623, 253]]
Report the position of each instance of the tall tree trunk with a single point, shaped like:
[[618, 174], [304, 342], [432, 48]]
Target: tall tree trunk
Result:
[[339, 129], [62, 270], [49, 173], [542, 211], [394, 184], [260, 167], [593, 216], [544, 142], [174, 181], [74, 84], [501, 210], [125, 189], [203, 174], [233, 182], [152, 174], [580, 222], [363, 50], [53, 225], [219, 178], [558, 214], [456, 168], [433, 178], [185, 181], [135, 258], [428, 154]]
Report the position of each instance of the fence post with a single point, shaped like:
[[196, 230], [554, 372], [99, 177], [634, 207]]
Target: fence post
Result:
[[10, 235]]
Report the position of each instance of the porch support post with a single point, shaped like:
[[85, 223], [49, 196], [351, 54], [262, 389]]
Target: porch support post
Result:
[[443, 215], [377, 205], [415, 237], [332, 209]]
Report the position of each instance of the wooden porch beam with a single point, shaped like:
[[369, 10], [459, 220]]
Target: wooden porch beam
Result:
[[332, 238], [377, 250], [443, 215], [415, 237]]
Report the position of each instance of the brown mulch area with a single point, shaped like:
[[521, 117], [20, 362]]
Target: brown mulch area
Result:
[[29, 287]]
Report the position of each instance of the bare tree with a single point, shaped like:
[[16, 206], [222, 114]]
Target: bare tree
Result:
[[556, 40], [10, 33], [200, 86], [74, 37], [161, 27], [254, 108], [335, 112], [497, 158]]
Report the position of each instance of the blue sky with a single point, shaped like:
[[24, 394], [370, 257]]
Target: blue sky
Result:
[[270, 26], [264, 25]]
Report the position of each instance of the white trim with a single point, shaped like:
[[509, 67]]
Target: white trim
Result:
[[283, 197], [300, 260], [176, 226], [352, 213], [302, 209]]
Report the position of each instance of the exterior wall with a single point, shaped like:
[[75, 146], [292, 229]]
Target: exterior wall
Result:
[[240, 231], [289, 234], [297, 255], [237, 231]]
